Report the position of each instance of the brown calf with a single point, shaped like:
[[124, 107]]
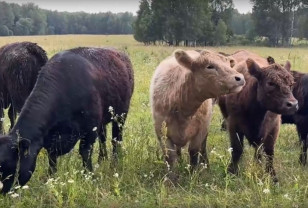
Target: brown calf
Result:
[[253, 112]]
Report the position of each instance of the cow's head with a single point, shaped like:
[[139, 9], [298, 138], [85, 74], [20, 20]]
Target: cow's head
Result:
[[212, 73], [275, 84], [17, 161]]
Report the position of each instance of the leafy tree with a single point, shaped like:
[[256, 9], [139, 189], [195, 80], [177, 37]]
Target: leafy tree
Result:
[[4, 30], [220, 33], [273, 19], [143, 22], [24, 26], [6, 15]]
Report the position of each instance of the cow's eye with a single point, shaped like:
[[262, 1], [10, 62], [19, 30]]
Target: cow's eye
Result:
[[210, 67], [271, 84]]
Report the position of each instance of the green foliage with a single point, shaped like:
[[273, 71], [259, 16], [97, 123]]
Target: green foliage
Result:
[[275, 19], [29, 19], [221, 33], [173, 22], [4, 30]]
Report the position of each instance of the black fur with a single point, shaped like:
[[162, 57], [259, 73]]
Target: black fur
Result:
[[71, 98]]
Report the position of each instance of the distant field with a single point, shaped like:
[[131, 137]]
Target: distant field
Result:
[[138, 180]]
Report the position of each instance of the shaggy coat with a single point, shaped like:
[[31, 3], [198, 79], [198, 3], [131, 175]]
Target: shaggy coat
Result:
[[181, 89], [253, 112], [71, 100], [300, 118], [19, 67]]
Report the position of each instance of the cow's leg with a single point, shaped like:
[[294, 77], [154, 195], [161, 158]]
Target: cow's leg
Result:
[[237, 149], [12, 116], [304, 145], [52, 158], [223, 110], [204, 159], [170, 154], [269, 146], [2, 117], [86, 149], [103, 155], [117, 131]]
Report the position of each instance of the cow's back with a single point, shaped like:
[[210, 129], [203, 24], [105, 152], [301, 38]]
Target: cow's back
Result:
[[113, 77]]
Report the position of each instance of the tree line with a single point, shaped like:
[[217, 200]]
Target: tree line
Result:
[[216, 22], [29, 19]]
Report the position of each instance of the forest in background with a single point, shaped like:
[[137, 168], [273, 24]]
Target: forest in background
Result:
[[217, 22], [172, 22], [29, 19]]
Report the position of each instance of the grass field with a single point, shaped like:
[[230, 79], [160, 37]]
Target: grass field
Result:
[[138, 180]]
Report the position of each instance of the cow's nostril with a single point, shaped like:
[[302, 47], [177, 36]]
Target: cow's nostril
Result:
[[289, 104], [237, 79]]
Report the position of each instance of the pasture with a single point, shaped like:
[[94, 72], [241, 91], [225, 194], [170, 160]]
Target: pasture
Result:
[[138, 179]]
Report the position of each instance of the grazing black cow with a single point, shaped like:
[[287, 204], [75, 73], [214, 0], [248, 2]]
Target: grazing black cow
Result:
[[71, 100], [19, 66]]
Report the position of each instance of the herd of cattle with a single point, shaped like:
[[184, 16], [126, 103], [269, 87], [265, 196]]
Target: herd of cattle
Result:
[[76, 93]]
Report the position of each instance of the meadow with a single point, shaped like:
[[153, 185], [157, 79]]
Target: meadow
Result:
[[138, 179]]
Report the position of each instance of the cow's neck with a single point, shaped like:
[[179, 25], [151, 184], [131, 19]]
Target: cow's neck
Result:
[[191, 98], [38, 114], [256, 109]]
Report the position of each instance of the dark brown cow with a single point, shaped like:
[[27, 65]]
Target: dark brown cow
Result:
[[19, 67], [71, 100], [253, 112], [300, 118]]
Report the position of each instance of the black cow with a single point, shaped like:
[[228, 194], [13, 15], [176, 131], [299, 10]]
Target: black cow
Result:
[[71, 100], [19, 66], [300, 118]]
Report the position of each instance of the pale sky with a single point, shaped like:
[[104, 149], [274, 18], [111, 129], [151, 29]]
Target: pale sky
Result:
[[95, 6]]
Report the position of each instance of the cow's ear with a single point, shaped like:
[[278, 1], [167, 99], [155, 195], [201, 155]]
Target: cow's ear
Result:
[[287, 66], [253, 68], [232, 63], [183, 59], [270, 60]]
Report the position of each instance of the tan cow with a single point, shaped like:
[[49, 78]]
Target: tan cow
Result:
[[181, 89]]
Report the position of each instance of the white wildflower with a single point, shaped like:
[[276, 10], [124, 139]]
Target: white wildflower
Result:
[[110, 109], [62, 183], [213, 151], [203, 165], [287, 196], [260, 183], [70, 181], [266, 191], [94, 129], [145, 175], [116, 175], [230, 150], [25, 187], [14, 195], [17, 187]]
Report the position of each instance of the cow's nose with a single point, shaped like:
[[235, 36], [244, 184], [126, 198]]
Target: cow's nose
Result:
[[240, 80], [292, 104]]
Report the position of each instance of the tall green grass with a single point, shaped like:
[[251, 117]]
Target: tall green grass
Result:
[[138, 179]]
